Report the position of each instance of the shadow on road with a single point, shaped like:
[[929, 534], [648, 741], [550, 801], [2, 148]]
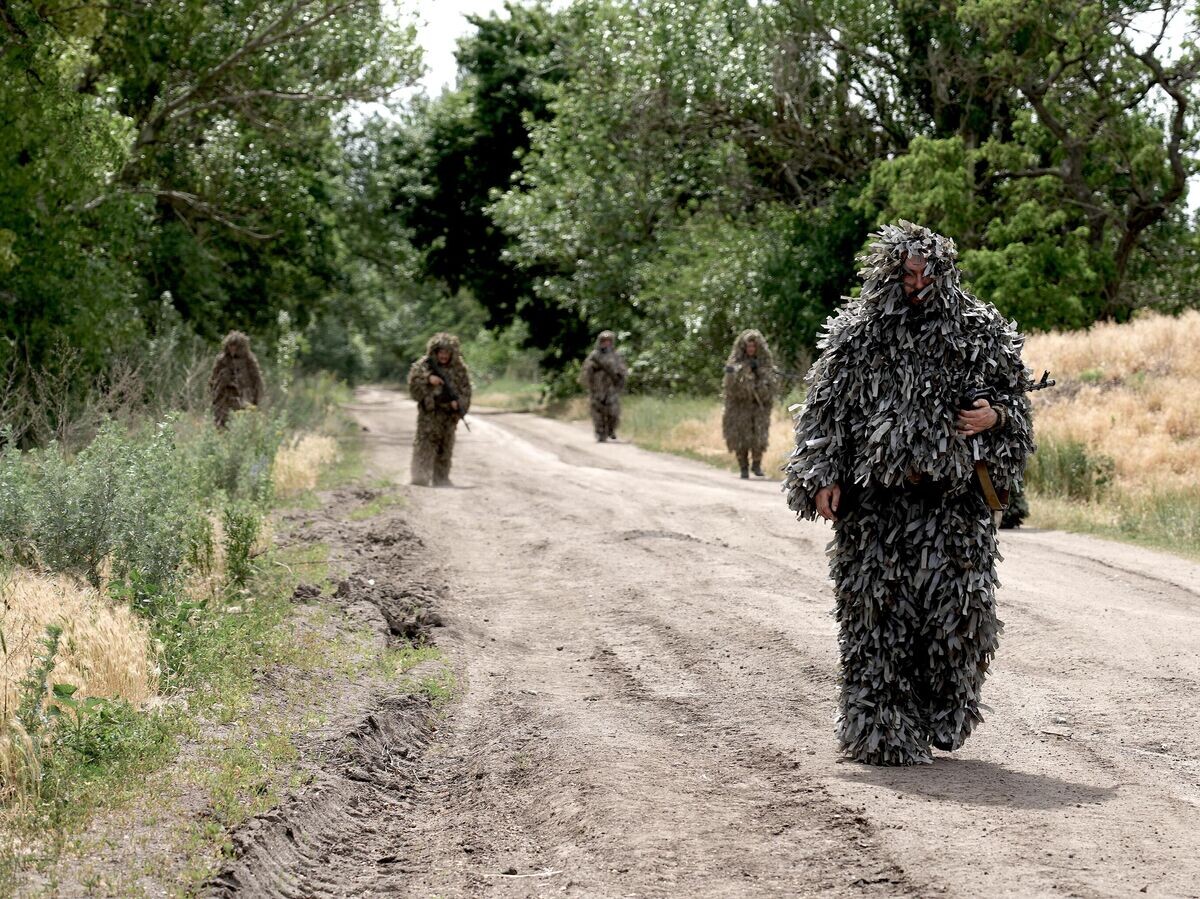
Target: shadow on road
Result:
[[976, 782]]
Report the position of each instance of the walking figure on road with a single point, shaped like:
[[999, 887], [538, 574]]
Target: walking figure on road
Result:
[[441, 385], [749, 390], [236, 381], [886, 451], [604, 374]]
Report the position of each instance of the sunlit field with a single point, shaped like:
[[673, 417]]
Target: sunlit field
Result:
[[1119, 436]]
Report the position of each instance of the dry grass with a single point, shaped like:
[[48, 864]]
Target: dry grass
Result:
[[104, 651], [1127, 391], [299, 463]]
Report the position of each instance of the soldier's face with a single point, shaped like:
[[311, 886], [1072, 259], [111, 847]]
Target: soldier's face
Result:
[[915, 279], [606, 344], [751, 347], [443, 356]]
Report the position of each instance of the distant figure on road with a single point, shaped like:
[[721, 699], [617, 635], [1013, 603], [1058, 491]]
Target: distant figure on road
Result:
[[749, 389], [604, 374], [236, 381], [888, 447], [441, 385]]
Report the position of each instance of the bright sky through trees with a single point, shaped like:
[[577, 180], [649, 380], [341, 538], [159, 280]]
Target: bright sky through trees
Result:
[[441, 23]]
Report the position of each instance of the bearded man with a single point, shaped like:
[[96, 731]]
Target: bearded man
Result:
[[603, 374], [748, 389], [886, 451], [441, 385]]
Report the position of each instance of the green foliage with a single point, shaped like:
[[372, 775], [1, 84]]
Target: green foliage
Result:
[[35, 686], [237, 461], [699, 290], [808, 273], [242, 523], [1029, 256], [1068, 469], [181, 149], [125, 498], [97, 730]]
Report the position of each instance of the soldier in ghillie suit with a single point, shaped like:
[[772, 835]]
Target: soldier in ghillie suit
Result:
[[236, 381], [604, 374], [885, 450], [441, 385], [749, 389]]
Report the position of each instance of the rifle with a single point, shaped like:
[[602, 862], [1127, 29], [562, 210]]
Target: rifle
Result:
[[753, 364], [448, 392], [997, 500]]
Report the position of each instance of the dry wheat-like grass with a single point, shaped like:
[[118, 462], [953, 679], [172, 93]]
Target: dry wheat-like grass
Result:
[[1126, 391], [104, 651], [298, 465]]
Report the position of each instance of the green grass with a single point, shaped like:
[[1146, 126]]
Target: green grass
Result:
[[388, 499], [399, 660], [651, 421], [1163, 520]]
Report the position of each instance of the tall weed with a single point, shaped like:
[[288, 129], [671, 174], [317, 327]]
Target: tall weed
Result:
[[237, 461], [1068, 468]]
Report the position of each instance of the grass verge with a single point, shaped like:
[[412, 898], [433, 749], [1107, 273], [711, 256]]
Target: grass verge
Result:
[[686, 426]]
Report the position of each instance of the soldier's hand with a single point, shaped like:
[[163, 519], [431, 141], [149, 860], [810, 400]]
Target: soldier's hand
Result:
[[973, 421], [828, 499], [454, 405], [436, 381]]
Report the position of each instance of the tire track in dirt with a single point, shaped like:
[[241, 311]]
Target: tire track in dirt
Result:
[[338, 835]]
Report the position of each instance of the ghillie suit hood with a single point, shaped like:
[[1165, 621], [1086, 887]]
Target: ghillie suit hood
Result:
[[748, 388], [236, 343], [884, 395], [236, 381], [444, 340], [913, 559], [738, 353], [603, 375]]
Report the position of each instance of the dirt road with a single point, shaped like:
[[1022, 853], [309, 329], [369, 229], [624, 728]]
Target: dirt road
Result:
[[648, 670]]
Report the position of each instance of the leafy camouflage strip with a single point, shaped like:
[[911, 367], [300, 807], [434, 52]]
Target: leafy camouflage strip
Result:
[[913, 566], [748, 394]]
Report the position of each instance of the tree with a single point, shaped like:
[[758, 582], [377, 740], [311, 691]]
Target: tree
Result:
[[466, 146]]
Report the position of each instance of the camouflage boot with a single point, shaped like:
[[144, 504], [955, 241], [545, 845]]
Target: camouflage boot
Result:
[[757, 466], [744, 464]]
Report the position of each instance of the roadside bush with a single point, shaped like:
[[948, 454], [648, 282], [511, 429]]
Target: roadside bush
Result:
[[15, 532], [121, 502], [1069, 469], [237, 462], [117, 567]]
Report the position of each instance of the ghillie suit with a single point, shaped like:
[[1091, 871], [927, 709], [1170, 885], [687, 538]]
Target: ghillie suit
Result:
[[603, 374], [236, 381], [914, 551], [749, 389], [433, 446]]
